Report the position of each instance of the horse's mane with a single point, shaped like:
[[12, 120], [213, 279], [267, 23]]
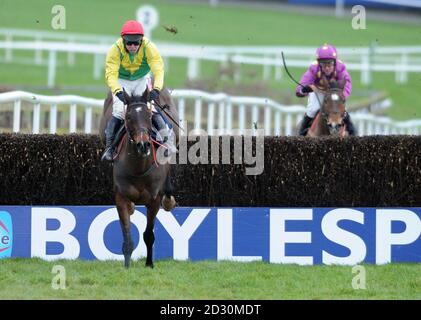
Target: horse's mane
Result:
[[137, 99]]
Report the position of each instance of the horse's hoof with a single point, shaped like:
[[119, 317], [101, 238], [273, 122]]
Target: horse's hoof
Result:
[[127, 263], [149, 265], [168, 203]]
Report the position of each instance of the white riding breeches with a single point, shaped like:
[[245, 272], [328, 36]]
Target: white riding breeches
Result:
[[136, 87], [313, 105]]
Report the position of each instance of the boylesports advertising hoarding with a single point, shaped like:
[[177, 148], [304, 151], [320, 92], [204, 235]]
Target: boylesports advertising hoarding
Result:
[[278, 235]]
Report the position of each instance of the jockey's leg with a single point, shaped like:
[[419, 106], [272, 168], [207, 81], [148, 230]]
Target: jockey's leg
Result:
[[159, 123], [112, 128], [305, 125], [139, 86], [349, 125], [313, 106]]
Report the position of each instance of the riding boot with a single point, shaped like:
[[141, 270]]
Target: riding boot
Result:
[[349, 125], [305, 125], [159, 123], [112, 128]]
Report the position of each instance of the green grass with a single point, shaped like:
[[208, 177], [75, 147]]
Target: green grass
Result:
[[32, 278], [205, 25]]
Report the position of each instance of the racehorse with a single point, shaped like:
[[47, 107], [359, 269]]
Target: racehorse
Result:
[[330, 118], [137, 176]]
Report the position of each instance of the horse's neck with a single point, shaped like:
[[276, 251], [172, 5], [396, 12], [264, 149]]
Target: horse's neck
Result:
[[321, 128]]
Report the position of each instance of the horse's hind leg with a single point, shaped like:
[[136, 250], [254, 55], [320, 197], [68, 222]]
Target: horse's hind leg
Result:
[[125, 208], [148, 235]]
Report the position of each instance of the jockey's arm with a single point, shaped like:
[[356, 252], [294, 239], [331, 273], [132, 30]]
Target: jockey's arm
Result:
[[156, 64], [307, 79], [344, 75], [112, 65], [348, 86]]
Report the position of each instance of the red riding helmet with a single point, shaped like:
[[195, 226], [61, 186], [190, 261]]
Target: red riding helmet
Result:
[[132, 27]]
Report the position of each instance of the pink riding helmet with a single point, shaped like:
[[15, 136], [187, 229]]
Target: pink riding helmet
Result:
[[327, 51]]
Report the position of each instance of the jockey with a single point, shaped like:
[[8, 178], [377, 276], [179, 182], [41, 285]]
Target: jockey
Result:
[[328, 66], [127, 66]]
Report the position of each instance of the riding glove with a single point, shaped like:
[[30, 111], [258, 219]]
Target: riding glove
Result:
[[306, 89], [120, 95]]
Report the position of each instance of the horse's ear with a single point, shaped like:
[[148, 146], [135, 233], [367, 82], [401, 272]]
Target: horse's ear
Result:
[[127, 97]]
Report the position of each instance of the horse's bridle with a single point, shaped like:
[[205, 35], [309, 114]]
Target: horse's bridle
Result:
[[143, 131], [324, 115]]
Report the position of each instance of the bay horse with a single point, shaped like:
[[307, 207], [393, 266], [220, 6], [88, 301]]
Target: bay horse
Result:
[[330, 119], [137, 176]]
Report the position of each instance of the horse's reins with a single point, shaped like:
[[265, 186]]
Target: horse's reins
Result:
[[150, 138], [154, 164], [165, 106]]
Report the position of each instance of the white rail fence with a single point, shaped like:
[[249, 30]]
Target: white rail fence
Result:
[[217, 114], [401, 60], [34, 103]]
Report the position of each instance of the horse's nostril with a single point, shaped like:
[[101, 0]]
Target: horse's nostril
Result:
[[143, 148]]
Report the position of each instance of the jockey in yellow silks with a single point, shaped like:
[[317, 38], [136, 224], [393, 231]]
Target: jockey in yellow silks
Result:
[[128, 64]]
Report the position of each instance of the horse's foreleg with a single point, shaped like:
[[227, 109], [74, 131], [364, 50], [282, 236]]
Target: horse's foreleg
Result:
[[148, 235], [125, 208], [168, 188], [168, 201]]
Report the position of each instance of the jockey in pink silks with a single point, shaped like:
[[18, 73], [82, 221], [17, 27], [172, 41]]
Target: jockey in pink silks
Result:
[[330, 67]]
